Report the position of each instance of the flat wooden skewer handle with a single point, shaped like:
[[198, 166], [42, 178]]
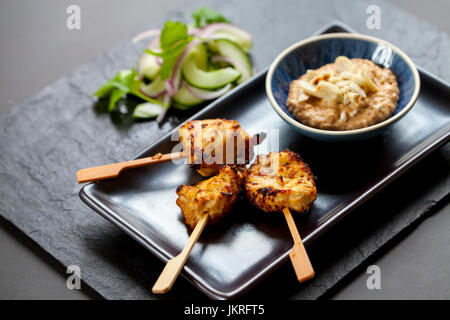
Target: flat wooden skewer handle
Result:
[[173, 267], [299, 257], [113, 170]]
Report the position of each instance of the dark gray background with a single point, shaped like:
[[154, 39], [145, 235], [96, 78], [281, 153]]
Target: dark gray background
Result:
[[37, 49]]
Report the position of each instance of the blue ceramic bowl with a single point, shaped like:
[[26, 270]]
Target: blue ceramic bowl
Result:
[[317, 51]]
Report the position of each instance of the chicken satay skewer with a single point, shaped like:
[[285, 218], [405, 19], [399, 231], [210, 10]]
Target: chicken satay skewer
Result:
[[206, 202], [299, 257], [199, 139], [173, 267], [281, 182]]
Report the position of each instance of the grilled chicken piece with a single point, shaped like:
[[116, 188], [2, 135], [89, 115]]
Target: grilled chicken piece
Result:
[[208, 141], [207, 170], [280, 180], [214, 196]]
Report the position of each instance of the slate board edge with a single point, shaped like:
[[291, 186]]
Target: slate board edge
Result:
[[38, 243]]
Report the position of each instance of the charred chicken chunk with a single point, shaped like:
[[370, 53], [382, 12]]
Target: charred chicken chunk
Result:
[[280, 180], [211, 143], [214, 197]]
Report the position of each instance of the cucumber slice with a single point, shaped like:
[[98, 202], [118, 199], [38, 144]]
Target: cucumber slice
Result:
[[242, 40], [207, 79], [201, 52], [147, 110], [155, 88], [185, 99], [234, 52], [148, 67]]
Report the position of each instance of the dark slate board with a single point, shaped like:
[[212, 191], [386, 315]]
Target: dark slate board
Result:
[[44, 141]]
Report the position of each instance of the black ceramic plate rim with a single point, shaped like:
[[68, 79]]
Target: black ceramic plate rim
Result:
[[433, 142]]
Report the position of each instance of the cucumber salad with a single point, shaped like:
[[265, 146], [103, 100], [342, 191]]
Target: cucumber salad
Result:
[[183, 66]]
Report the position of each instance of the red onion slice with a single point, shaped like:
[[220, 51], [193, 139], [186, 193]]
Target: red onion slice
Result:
[[155, 96], [210, 29], [170, 88], [205, 94], [155, 43], [156, 32], [192, 31], [145, 35], [166, 102]]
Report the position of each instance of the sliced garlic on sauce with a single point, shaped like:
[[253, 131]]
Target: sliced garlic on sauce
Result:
[[347, 99], [353, 96], [359, 80], [342, 83], [303, 96], [345, 85], [353, 112], [308, 87], [368, 83], [346, 75], [328, 91], [311, 74], [378, 106], [334, 79], [323, 76], [353, 87], [343, 64], [350, 97]]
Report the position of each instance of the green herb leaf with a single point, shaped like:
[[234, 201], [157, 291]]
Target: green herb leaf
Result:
[[116, 95], [119, 81], [169, 59], [205, 16], [172, 34], [124, 82], [173, 40]]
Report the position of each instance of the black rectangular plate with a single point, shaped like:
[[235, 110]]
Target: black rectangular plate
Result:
[[234, 255]]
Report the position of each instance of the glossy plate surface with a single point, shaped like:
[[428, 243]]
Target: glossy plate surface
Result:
[[229, 258]]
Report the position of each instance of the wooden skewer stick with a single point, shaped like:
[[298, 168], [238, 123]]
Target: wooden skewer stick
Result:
[[113, 170], [299, 257], [173, 267]]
